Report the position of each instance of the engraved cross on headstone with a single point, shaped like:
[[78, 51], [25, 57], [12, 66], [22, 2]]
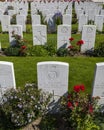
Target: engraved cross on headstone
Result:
[[40, 37]]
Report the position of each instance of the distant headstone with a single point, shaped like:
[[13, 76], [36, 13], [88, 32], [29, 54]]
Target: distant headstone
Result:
[[20, 19], [83, 20], [15, 29], [88, 36], [98, 85], [53, 78], [39, 34], [7, 77], [64, 33], [67, 19], [35, 19], [5, 22], [99, 22]]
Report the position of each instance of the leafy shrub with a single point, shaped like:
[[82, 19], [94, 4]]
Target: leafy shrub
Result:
[[10, 51], [17, 46], [20, 107], [79, 109], [62, 52], [51, 49], [99, 51], [37, 50]]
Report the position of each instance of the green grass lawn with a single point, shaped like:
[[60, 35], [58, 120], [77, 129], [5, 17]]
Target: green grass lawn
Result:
[[81, 69]]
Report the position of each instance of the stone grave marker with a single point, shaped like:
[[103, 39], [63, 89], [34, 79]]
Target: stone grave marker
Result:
[[39, 34], [98, 84], [64, 33], [5, 22], [53, 78], [83, 20], [20, 20], [7, 77], [14, 29], [67, 19], [99, 22], [88, 36], [35, 19]]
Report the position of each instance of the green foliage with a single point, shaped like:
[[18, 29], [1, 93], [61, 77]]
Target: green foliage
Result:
[[51, 49], [62, 52], [13, 19], [10, 51], [99, 51], [37, 50], [22, 106]]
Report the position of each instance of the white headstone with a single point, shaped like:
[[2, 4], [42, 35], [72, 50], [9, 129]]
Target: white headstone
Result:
[[67, 19], [20, 19], [15, 29], [53, 77], [64, 33], [99, 22], [98, 85], [5, 22], [7, 77], [83, 20], [88, 36], [39, 34], [35, 19]]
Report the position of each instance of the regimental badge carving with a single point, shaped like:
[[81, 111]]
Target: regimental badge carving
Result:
[[89, 30], [64, 30], [52, 75]]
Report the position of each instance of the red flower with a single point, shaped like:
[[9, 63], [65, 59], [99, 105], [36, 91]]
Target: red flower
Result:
[[80, 42], [70, 47], [90, 108], [23, 47], [77, 88], [82, 87], [71, 39], [68, 96], [69, 105]]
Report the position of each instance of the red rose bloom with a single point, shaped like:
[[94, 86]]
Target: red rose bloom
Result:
[[82, 87], [80, 42], [77, 88], [71, 39], [69, 105], [23, 47], [70, 47]]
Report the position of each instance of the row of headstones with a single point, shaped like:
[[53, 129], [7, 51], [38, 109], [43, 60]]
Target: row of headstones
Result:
[[64, 33], [66, 19], [82, 10], [52, 77], [6, 21], [14, 7]]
